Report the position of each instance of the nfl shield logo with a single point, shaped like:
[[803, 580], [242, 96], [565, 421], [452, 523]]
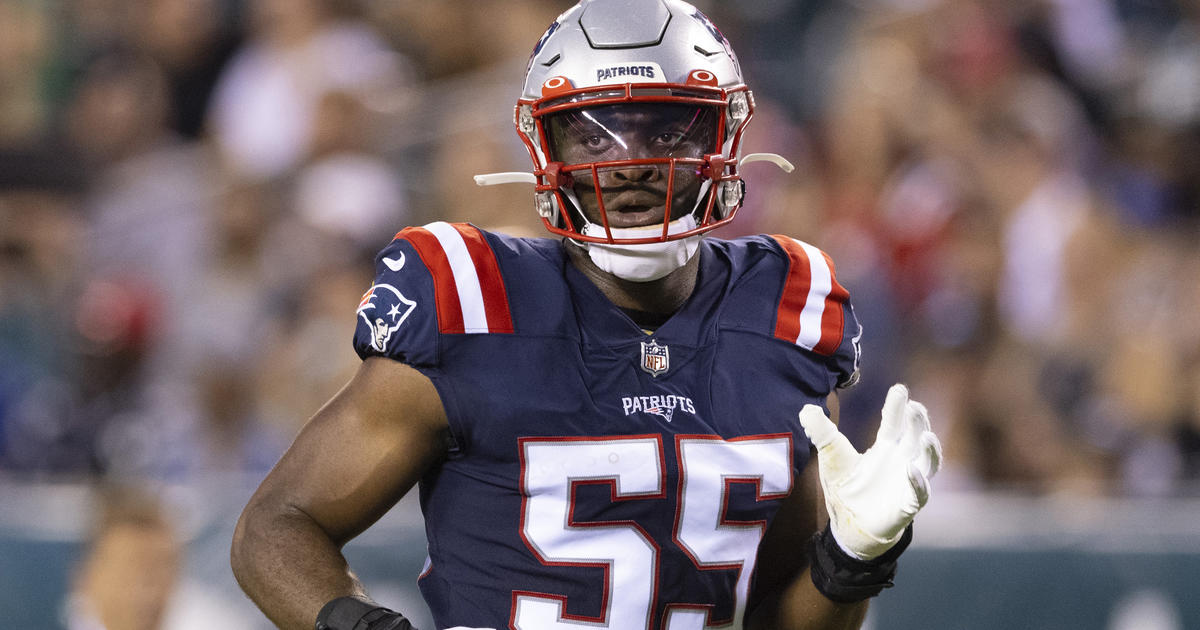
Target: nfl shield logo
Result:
[[655, 358]]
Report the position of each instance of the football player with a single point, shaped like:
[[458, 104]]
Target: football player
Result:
[[603, 425]]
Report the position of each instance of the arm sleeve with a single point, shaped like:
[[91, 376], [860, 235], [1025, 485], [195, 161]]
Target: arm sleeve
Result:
[[397, 316], [814, 310]]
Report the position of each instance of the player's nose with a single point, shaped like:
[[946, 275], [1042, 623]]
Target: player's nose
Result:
[[636, 174]]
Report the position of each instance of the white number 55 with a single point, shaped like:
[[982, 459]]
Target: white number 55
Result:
[[634, 469]]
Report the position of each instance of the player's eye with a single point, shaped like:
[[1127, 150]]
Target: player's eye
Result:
[[595, 142], [669, 138]]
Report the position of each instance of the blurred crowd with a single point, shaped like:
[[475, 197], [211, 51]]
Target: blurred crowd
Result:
[[192, 193]]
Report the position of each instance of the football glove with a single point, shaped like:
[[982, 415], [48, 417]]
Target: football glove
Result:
[[871, 497]]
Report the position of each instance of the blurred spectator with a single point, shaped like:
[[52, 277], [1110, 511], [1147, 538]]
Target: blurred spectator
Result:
[[130, 567], [191, 40], [266, 100], [131, 574], [1033, 149], [305, 359], [246, 286], [460, 121], [459, 39], [148, 211], [25, 50], [344, 188], [41, 231]]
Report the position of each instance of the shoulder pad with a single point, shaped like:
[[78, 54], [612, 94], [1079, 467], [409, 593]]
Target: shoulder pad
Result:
[[810, 313], [442, 278], [470, 292], [814, 310], [809, 308]]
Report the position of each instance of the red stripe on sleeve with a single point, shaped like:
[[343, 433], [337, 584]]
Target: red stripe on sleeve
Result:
[[491, 283], [449, 309], [833, 319], [795, 290]]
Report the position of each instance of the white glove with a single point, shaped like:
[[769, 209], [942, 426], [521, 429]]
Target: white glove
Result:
[[871, 497]]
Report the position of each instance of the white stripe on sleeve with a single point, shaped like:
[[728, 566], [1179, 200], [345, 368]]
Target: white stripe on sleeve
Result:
[[470, 296], [819, 286]]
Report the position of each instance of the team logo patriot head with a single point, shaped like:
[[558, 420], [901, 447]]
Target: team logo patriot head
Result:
[[662, 411], [383, 309]]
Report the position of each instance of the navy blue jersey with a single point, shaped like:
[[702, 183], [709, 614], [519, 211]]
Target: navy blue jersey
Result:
[[600, 474]]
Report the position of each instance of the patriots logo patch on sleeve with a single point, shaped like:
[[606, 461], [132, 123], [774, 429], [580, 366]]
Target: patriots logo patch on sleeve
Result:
[[384, 308]]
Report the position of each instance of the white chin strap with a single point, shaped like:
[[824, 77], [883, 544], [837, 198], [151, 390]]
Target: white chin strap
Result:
[[646, 261]]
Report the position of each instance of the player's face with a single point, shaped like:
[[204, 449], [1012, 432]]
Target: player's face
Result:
[[634, 195]]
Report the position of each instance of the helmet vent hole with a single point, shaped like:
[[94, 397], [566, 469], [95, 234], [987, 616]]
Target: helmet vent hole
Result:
[[553, 60], [706, 53]]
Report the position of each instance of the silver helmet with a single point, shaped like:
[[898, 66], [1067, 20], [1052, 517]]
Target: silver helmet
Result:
[[631, 110]]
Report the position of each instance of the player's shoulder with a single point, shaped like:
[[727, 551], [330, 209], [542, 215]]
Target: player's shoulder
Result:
[[775, 259], [786, 288], [766, 252], [470, 255], [453, 279]]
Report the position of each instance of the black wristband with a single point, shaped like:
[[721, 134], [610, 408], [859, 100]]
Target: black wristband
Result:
[[356, 613], [846, 579]]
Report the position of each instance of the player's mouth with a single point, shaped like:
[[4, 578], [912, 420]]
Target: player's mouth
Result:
[[634, 208]]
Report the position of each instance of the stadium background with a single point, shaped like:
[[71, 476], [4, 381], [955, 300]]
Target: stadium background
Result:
[[191, 192]]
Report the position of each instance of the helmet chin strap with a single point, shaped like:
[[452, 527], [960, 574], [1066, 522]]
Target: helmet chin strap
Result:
[[642, 262]]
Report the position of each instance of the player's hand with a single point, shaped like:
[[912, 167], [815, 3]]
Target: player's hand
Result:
[[871, 497]]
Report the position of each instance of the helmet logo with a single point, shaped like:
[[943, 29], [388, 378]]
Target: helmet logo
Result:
[[712, 28], [545, 37], [719, 36], [541, 44]]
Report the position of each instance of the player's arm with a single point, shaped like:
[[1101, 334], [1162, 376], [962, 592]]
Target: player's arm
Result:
[[353, 460], [789, 597], [799, 605], [870, 500]]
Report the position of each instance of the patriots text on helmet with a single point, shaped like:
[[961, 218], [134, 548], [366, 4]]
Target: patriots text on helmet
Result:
[[612, 72]]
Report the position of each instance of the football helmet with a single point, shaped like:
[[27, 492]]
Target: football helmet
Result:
[[633, 115]]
